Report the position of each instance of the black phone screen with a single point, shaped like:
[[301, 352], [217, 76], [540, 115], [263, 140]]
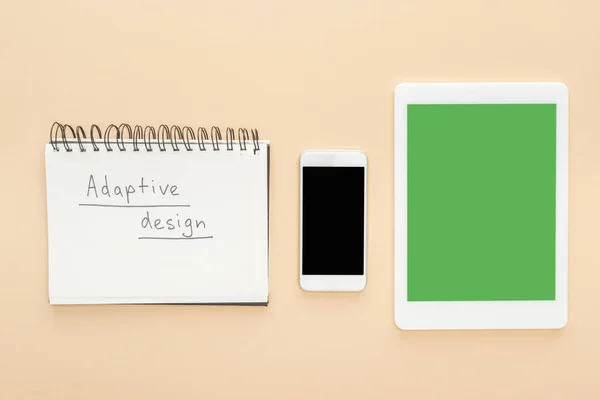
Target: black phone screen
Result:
[[333, 222]]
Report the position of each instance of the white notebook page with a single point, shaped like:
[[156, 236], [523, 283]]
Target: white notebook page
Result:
[[157, 227]]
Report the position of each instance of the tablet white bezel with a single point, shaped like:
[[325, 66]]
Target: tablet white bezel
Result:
[[480, 314]]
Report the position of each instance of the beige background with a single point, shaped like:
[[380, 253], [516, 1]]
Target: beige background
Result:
[[307, 74]]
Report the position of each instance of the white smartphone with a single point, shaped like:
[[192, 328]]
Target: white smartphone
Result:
[[333, 221]]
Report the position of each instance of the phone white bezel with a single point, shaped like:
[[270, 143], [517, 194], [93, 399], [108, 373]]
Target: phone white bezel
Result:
[[333, 283], [452, 315]]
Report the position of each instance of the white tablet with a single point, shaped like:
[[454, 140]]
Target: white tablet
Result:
[[481, 192]]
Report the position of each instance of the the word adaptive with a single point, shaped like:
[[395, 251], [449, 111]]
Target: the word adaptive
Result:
[[128, 191]]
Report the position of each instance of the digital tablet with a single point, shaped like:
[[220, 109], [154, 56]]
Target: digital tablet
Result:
[[481, 193]]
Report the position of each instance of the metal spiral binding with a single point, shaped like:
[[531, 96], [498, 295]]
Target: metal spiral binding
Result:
[[161, 137]]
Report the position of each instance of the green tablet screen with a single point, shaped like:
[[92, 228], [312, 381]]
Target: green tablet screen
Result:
[[481, 202]]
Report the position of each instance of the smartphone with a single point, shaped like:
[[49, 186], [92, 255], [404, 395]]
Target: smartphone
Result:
[[333, 221]]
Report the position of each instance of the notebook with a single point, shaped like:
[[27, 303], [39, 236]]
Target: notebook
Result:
[[481, 205], [157, 215]]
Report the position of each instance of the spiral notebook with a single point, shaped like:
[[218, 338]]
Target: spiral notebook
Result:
[[165, 215]]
